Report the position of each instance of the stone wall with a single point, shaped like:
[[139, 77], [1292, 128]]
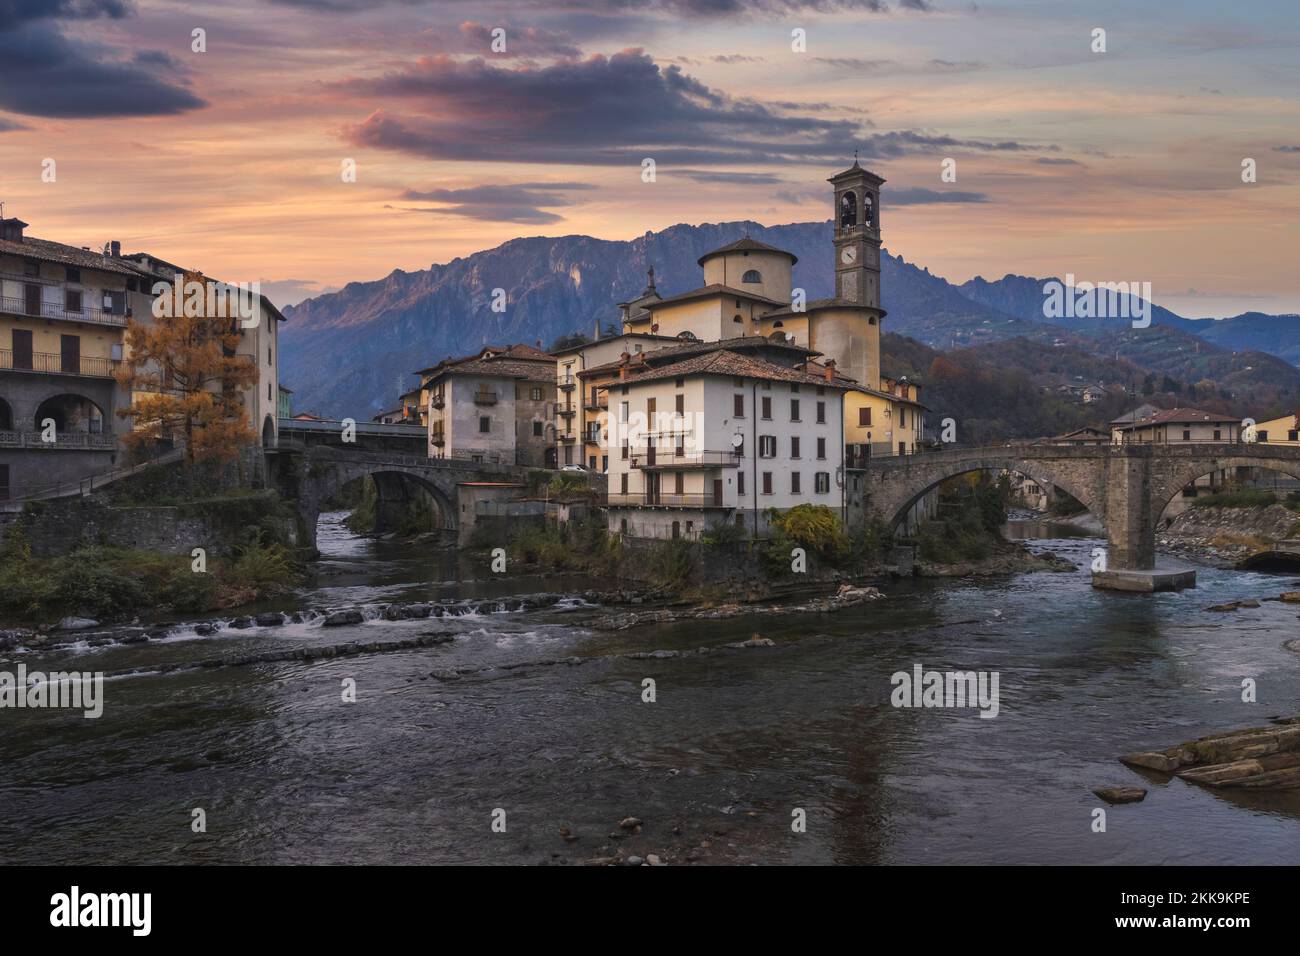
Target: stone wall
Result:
[[217, 525]]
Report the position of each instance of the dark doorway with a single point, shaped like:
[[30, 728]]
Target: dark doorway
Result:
[[33, 299], [70, 354], [22, 349]]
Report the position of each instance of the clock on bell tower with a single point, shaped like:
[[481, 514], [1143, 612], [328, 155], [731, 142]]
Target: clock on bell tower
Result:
[[857, 235]]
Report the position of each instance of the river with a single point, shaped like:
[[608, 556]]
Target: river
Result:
[[716, 767]]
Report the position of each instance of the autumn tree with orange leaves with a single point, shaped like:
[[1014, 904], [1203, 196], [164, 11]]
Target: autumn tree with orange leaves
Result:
[[185, 377]]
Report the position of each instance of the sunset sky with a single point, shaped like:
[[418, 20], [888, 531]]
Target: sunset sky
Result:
[[1116, 166]]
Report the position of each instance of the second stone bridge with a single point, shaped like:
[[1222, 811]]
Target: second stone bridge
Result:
[[1126, 487]]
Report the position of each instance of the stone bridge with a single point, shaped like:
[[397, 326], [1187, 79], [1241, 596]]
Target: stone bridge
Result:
[[1126, 487], [310, 475]]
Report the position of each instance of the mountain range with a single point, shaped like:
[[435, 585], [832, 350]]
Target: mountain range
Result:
[[352, 352]]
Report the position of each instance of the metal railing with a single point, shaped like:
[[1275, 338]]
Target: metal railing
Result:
[[89, 484], [665, 500], [50, 363], [77, 441], [698, 459], [485, 398], [48, 310]]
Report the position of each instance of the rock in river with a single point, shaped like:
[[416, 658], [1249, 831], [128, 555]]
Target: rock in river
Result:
[[1121, 794], [340, 618]]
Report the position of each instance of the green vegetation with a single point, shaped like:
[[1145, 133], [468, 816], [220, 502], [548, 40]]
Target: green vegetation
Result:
[[580, 545], [109, 583], [1236, 498], [815, 528], [670, 563], [974, 509], [556, 483]]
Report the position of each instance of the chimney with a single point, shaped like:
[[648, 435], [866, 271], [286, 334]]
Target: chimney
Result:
[[622, 372], [830, 370], [12, 229], [640, 358], [115, 249]]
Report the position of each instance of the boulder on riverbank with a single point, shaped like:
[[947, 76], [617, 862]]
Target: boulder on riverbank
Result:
[[1257, 758]]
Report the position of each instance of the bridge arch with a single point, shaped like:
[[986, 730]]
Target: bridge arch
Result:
[[894, 509], [1164, 490]]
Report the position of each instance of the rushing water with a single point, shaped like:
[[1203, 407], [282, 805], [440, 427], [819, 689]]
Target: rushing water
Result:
[[412, 772]]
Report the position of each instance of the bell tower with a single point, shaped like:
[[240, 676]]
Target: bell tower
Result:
[[857, 235]]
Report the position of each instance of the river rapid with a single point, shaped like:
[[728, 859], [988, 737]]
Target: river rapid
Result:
[[542, 728]]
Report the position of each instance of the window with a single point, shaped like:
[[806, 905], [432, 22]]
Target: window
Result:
[[622, 412], [535, 394], [821, 413], [650, 409], [624, 450], [848, 210], [767, 407], [1187, 434], [794, 409], [821, 389], [604, 463], [679, 483], [485, 423], [864, 417], [821, 448], [31, 267], [794, 483], [902, 418], [740, 483], [738, 319], [1261, 436], [71, 301], [268, 356], [766, 446], [677, 530], [591, 462], [680, 381], [1293, 435], [767, 482], [622, 482], [73, 274], [794, 446], [751, 276], [738, 406], [268, 391], [822, 482], [690, 526], [537, 429], [681, 404], [740, 522], [1217, 434]]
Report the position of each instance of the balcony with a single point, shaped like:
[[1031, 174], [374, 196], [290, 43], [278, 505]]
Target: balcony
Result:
[[437, 401], [596, 404], [662, 500], [49, 363], [566, 411], [671, 461], [483, 397], [46, 310], [65, 441], [436, 437], [566, 438], [568, 384]]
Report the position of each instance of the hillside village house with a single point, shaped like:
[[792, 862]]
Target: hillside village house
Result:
[[497, 405], [63, 317], [721, 437], [580, 406], [1278, 431]]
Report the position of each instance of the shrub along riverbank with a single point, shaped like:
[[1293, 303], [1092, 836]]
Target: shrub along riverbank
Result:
[[111, 584]]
